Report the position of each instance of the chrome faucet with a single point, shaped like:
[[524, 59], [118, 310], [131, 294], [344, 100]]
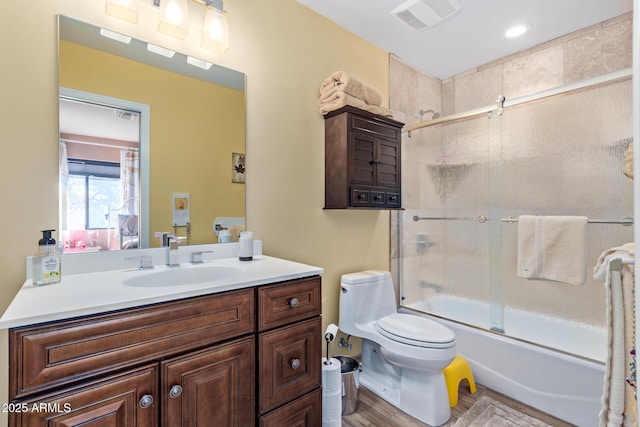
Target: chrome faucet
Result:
[[145, 262], [173, 257]]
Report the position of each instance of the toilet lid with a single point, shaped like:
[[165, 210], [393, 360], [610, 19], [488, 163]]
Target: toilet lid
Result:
[[416, 330]]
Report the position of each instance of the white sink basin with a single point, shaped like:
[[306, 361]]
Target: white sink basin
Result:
[[180, 276]]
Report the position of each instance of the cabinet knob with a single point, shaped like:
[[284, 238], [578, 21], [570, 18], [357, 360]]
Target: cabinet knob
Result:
[[175, 392], [295, 363], [361, 196], [394, 198], [146, 401], [375, 162], [378, 197], [293, 302]]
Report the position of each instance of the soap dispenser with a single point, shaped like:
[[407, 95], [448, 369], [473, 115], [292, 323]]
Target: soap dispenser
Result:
[[46, 264], [246, 246]]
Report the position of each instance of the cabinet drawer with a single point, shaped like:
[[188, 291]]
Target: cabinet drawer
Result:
[[375, 127], [288, 302], [392, 199], [304, 412], [50, 355], [360, 197], [114, 401], [289, 363], [375, 197]]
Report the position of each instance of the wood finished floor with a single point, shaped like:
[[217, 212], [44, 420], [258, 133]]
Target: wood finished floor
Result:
[[375, 411]]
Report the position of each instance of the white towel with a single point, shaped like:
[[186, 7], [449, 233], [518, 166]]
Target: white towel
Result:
[[340, 99], [342, 82], [553, 248], [618, 397]]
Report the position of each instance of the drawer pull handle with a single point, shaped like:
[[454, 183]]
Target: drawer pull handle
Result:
[[295, 363], [378, 197], [393, 198], [175, 392], [293, 302], [361, 196], [146, 401]]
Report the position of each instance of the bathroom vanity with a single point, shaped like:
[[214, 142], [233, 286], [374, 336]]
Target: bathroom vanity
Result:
[[243, 349]]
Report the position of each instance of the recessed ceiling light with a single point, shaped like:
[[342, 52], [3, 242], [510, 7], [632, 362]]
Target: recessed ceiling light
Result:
[[517, 30]]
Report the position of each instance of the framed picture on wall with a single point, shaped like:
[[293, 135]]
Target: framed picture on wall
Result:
[[237, 163]]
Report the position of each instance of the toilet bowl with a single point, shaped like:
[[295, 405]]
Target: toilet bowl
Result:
[[403, 356]]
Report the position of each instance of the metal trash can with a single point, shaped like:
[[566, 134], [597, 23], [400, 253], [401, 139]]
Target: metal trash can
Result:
[[350, 372]]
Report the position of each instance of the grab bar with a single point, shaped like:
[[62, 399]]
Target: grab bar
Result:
[[626, 221]]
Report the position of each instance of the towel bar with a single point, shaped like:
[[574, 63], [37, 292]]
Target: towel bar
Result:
[[480, 218]]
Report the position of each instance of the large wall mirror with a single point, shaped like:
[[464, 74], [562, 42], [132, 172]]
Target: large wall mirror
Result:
[[151, 142]]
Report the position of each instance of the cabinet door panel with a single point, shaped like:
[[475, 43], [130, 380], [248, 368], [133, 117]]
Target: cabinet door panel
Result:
[[388, 170], [363, 155], [289, 363], [217, 387], [111, 402]]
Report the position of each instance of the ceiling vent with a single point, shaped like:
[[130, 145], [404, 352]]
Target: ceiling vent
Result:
[[421, 14], [125, 115]]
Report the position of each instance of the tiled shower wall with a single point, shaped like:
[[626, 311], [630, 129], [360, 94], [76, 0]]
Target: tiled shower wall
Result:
[[593, 51], [590, 52]]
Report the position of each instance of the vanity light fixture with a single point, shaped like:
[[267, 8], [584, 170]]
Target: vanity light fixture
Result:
[[215, 27], [517, 30], [199, 63], [174, 18], [115, 36], [160, 50], [126, 10]]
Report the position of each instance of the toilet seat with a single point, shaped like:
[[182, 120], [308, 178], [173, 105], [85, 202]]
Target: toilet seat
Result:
[[416, 331]]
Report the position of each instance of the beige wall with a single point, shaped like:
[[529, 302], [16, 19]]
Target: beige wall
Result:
[[286, 51]]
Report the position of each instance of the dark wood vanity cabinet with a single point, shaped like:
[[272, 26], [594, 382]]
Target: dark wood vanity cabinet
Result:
[[192, 362], [362, 160], [289, 367]]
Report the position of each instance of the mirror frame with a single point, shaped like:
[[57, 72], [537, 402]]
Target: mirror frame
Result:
[[143, 148]]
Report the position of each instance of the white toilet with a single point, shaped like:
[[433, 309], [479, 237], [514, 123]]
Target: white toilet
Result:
[[402, 355]]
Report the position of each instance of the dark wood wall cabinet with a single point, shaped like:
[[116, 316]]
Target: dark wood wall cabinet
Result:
[[238, 358], [362, 160]]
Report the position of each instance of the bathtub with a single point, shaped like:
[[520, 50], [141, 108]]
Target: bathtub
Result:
[[554, 381]]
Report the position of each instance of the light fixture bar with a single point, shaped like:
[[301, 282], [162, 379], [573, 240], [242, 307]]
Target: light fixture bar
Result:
[[115, 36]]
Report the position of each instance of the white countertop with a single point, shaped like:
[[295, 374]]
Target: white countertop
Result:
[[97, 292]]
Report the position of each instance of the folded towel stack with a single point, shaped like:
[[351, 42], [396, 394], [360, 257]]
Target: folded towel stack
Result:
[[340, 89]]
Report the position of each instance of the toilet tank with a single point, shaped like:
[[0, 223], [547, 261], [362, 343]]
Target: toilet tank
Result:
[[365, 297]]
